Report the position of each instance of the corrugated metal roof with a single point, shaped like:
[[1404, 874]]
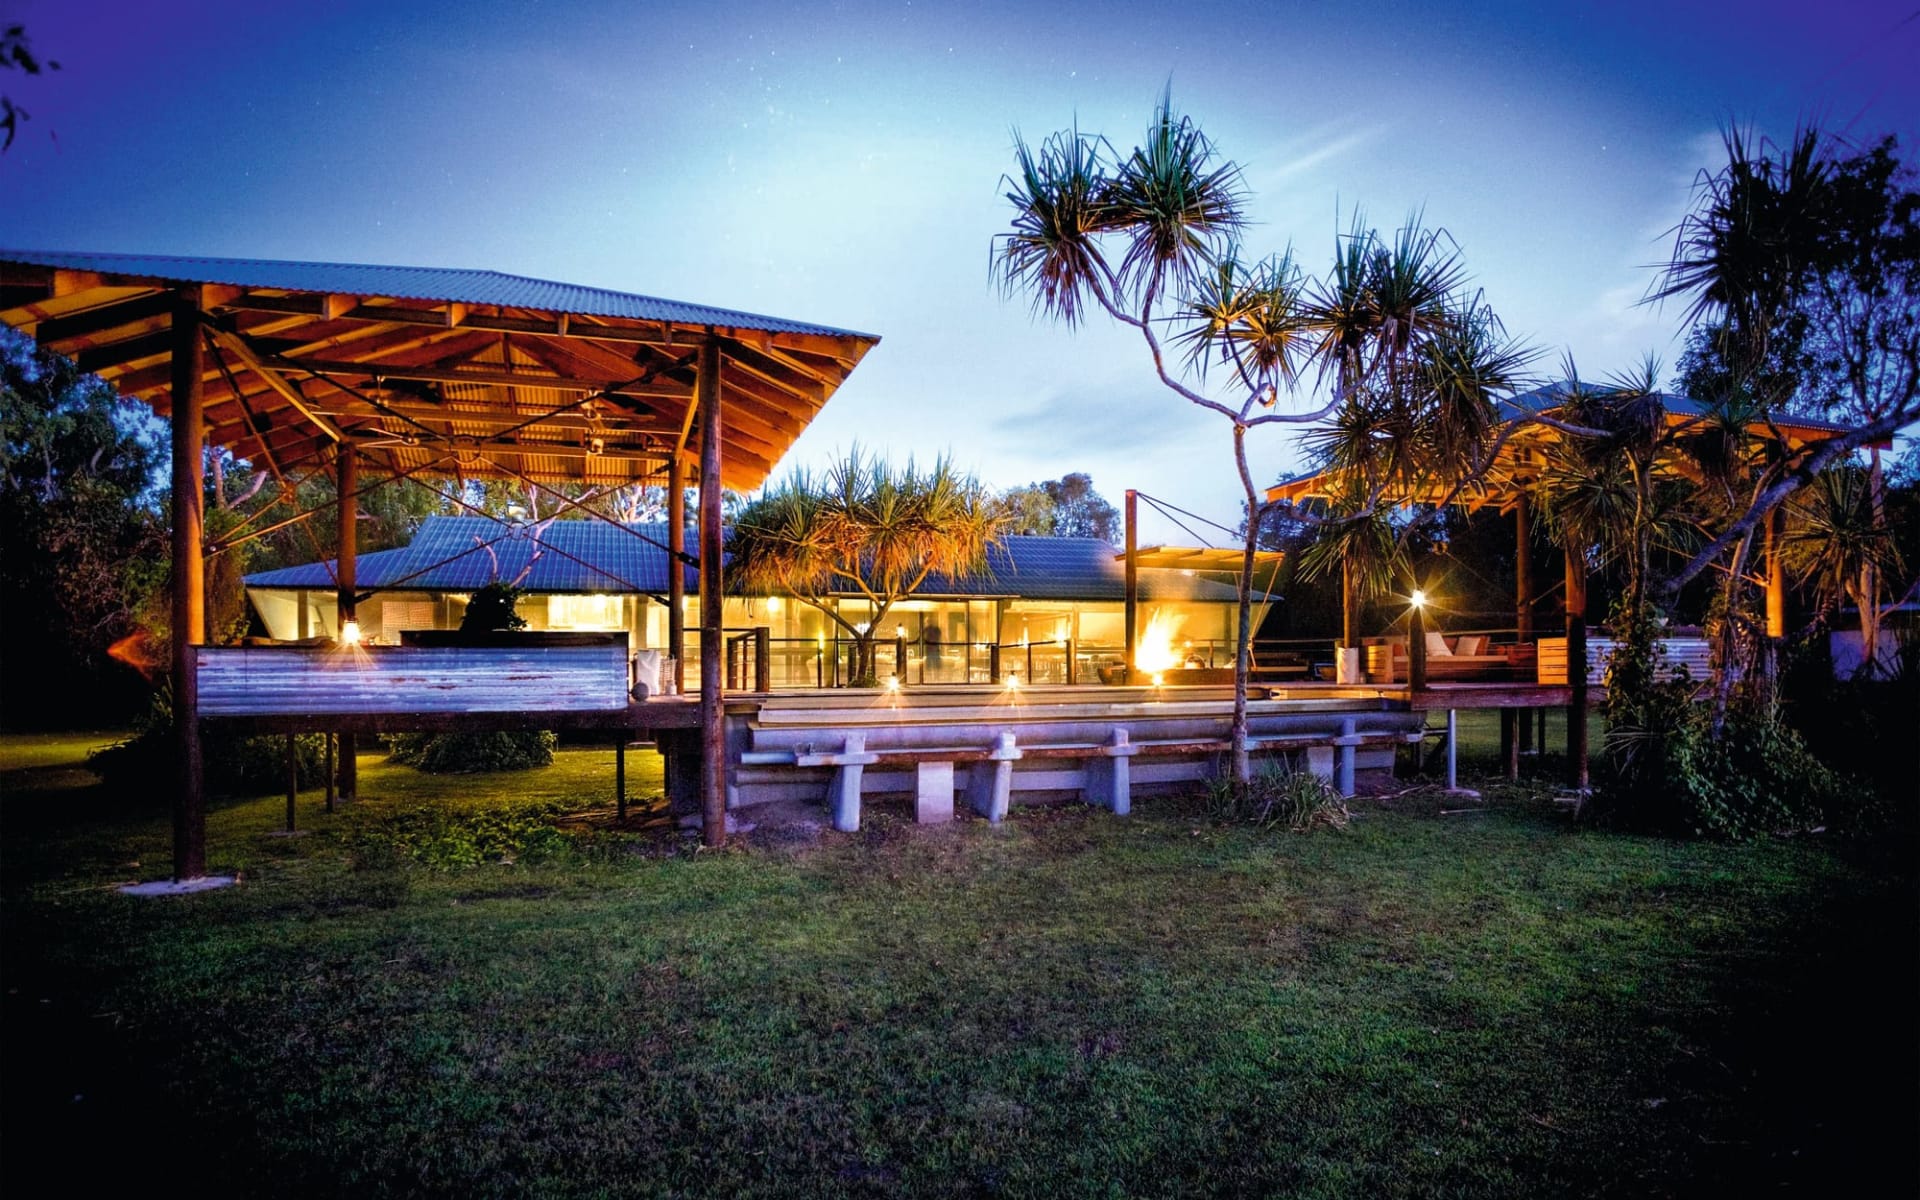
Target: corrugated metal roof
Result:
[[448, 284], [594, 556], [1553, 395]]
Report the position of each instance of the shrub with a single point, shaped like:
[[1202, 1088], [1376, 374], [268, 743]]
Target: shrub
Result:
[[474, 753], [241, 766], [1277, 796], [1674, 772]]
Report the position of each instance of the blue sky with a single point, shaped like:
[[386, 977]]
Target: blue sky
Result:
[[840, 163]]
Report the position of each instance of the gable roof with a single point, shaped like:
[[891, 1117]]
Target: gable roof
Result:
[[460, 554]]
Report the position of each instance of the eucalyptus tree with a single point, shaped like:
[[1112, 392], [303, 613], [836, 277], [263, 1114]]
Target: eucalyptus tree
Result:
[[866, 529]]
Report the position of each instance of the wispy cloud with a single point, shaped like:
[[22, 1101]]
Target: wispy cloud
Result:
[[1296, 156]]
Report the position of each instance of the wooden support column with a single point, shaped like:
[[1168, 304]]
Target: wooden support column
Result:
[[188, 429], [1416, 646], [713, 747], [1776, 575], [1577, 668], [1133, 583], [620, 776], [1509, 744], [677, 572], [346, 579], [1523, 617]]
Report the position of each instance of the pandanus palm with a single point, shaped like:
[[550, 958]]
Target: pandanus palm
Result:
[[1150, 235], [863, 529], [1837, 541], [1417, 369]]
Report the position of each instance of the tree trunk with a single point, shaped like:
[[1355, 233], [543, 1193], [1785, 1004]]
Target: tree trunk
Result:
[[1243, 651], [1869, 601], [1349, 619]]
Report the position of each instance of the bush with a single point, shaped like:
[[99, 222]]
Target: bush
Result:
[[238, 766], [1674, 772], [474, 753], [1277, 796]]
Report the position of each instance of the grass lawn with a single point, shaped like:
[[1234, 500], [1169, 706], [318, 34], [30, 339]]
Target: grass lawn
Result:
[[1483, 1004]]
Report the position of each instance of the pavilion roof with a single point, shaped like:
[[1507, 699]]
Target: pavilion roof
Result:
[[1520, 457], [471, 373]]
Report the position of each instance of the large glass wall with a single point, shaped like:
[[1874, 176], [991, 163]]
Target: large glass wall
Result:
[[922, 641]]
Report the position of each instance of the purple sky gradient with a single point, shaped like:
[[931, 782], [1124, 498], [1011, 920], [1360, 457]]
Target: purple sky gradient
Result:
[[840, 163]]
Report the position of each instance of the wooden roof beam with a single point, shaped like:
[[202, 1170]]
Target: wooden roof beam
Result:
[[500, 378], [105, 318], [776, 373], [237, 346]]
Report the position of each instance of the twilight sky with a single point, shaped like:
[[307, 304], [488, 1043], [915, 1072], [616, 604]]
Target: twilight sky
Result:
[[840, 163]]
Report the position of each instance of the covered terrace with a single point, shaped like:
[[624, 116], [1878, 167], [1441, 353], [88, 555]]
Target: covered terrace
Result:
[[1562, 669], [377, 373]]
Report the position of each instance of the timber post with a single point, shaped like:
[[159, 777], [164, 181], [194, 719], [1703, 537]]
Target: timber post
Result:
[[1776, 575], [713, 747], [1577, 668], [347, 482], [188, 435], [677, 570], [1416, 647], [1523, 617], [1133, 583]]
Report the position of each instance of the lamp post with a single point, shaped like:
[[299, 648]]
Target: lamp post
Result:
[[1417, 643]]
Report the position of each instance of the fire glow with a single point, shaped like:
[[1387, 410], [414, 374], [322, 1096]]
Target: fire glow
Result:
[[1153, 651]]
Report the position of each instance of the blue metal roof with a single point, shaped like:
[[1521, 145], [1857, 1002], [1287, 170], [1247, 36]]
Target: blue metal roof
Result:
[[594, 556], [446, 284]]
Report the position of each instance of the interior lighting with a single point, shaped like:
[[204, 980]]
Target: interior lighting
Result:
[[350, 634]]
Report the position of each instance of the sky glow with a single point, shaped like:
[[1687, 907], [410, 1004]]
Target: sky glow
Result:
[[841, 163]]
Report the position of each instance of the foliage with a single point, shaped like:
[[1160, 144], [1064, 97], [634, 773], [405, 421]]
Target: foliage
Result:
[[475, 753], [238, 766], [1800, 267], [81, 549], [1836, 538], [1277, 797], [492, 608], [867, 530], [1064, 507], [1674, 771], [1356, 544], [16, 54]]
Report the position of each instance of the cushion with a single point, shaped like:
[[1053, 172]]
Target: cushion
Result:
[[1437, 645], [1471, 647]]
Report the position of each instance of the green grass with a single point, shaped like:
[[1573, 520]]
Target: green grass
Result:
[[1485, 1004]]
